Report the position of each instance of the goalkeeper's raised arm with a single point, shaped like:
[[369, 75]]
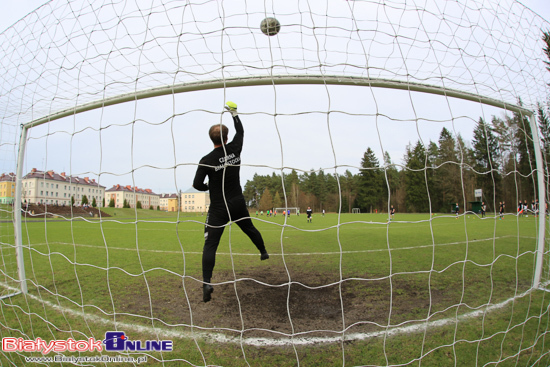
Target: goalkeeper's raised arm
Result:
[[239, 129]]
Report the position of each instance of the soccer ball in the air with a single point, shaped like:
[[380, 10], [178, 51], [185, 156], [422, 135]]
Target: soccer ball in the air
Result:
[[270, 26]]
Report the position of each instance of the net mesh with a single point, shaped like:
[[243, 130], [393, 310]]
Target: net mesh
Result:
[[425, 286]]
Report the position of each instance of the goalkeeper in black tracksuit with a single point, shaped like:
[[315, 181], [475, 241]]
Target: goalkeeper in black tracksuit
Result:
[[227, 203]]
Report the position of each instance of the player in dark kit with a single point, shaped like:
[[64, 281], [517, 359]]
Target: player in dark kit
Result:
[[227, 203], [309, 211]]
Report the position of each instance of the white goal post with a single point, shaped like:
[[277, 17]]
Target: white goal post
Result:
[[124, 93]]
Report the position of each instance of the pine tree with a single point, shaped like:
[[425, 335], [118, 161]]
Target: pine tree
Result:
[[348, 182], [448, 171], [370, 183], [544, 125], [546, 39], [275, 183], [417, 179], [505, 131], [393, 181], [321, 189], [526, 164], [432, 176], [485, 150]]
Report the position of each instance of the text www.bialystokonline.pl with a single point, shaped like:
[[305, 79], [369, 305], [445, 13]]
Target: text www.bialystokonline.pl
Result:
[[92, 359]]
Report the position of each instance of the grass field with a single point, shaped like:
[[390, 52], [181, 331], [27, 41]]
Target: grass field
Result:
[[414, 292]]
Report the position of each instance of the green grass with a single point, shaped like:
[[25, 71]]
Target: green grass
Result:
[[411, 269]]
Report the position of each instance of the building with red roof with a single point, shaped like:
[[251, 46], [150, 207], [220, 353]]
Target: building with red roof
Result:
[[49, 187], [132, 195]]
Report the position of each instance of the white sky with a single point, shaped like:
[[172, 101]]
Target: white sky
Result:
[[12, 11], [541, 7], [309, 142]]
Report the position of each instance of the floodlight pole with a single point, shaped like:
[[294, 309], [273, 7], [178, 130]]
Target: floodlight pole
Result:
[[17, 211], [542, 203]]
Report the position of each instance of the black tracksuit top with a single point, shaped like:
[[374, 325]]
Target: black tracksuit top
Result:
[[222, 166]]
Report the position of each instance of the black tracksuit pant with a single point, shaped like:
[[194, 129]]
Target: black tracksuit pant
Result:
[[217, 218]]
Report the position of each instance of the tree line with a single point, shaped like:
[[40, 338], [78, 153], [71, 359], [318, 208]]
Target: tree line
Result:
[[434, 176]]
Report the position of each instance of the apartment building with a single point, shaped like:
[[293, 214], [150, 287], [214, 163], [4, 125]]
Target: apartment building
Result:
[[168, 202], [132, 195], [49, 187], [194, 200], [7, 188]]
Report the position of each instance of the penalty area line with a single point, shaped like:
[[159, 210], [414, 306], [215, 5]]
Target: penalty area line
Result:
[[277, 254], [214, 337]]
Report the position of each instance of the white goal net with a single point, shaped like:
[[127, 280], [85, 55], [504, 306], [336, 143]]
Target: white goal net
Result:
[[393, 111]]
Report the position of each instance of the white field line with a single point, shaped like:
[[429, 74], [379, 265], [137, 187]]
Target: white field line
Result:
[[272, 342], [276, 254]]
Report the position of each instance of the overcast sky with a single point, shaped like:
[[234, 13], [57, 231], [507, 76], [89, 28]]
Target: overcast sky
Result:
[[12, 11], [291, 139]]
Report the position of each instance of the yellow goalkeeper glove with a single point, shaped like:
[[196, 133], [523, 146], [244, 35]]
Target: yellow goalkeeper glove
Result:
[[231, 107]]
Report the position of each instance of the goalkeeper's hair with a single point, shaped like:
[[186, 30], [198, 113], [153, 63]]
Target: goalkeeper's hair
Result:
[[215, 134]]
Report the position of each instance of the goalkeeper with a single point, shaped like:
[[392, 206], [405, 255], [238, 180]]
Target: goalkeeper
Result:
[[227, 203]]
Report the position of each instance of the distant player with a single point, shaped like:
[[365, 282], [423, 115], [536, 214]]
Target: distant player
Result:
[[501, 210], [483, 209], [392, 212], [309, 212], [520, 208], [457, 210]]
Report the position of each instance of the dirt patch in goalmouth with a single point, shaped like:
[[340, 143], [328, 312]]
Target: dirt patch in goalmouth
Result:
[[264, 304]]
